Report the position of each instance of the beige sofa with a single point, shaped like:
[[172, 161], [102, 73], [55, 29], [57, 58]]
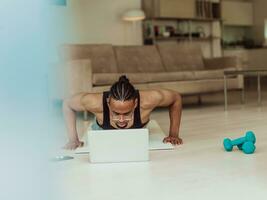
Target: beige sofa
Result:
[[176, 66]]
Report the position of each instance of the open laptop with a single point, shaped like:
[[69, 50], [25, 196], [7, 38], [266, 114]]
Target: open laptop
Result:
[[129, 145], [156, 136]]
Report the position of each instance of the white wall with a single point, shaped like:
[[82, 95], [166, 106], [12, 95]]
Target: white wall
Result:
[[96, 21], [99, 21]]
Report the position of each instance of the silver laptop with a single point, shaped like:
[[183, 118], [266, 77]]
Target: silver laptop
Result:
[[129, 145]]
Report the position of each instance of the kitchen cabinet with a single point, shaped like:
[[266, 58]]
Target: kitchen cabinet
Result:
[[235, 13]]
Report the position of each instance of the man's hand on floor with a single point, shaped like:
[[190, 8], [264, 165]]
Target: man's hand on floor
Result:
[[173, 140], [72, 145]]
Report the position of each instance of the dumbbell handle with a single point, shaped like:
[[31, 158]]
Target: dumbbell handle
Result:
[[238, 141]]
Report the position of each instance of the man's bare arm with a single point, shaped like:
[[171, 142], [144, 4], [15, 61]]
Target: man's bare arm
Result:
[[172, 100], [70, 107]]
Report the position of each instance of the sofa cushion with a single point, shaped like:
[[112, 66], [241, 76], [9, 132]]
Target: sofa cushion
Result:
[[211, 74], [110, 78], [138, 59], [208, 74], [171, 76], [222, 62], [100, 79], [180, 56], [101, 55]]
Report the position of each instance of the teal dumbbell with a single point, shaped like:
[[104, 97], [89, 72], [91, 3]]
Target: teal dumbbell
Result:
[[248, 147], [229, 144]]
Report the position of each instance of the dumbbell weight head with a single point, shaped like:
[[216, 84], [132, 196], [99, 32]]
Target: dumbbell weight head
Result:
[[227, 143], [248, 148], [250, 136]]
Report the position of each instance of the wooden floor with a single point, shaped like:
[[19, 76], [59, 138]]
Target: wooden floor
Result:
[[198, 169], [211, 120]]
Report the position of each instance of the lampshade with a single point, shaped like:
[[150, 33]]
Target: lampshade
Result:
[[134, 15]]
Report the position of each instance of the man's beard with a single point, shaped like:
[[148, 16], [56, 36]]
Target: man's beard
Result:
[[121, 127]]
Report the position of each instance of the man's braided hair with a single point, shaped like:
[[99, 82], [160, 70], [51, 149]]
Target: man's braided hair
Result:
[[122, 90]]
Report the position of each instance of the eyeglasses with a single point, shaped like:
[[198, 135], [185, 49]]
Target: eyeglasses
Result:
[[126, 116]]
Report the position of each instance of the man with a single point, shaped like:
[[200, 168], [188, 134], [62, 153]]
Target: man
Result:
[[123, 107]]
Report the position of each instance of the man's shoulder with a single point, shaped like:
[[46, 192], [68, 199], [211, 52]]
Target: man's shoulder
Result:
[[155, 93], [93, 101], [91, 96], [150, 98]]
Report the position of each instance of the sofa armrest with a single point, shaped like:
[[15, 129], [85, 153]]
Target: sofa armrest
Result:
[[69, 78], [222, 62]]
